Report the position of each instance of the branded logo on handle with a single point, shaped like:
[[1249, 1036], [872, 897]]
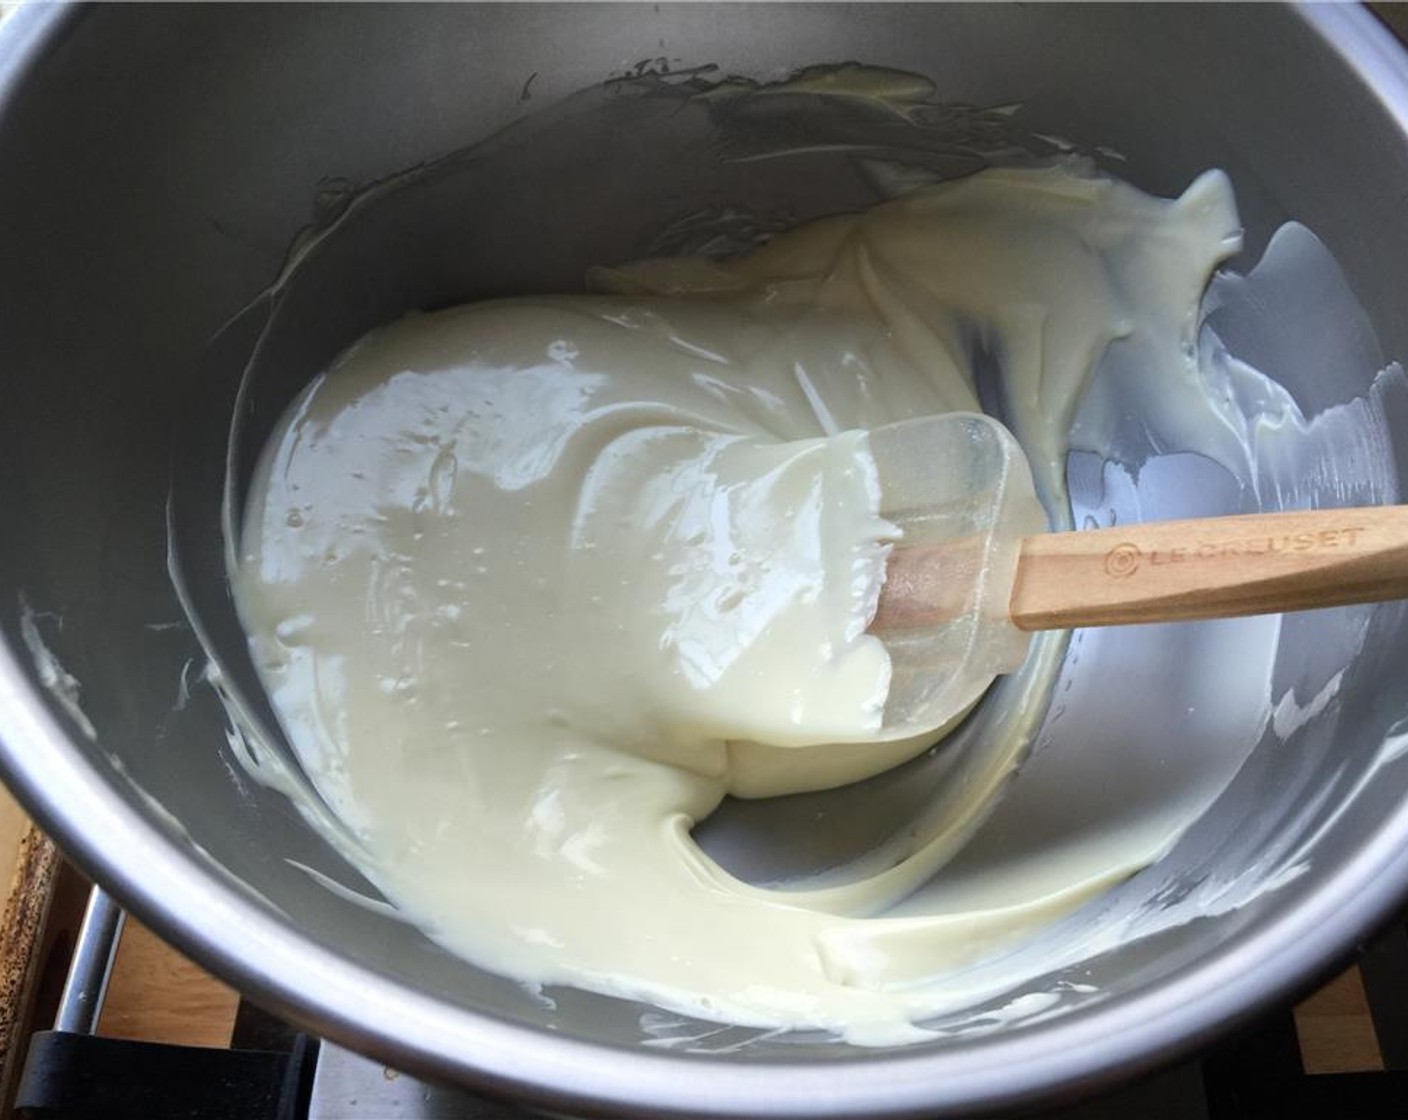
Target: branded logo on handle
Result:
[[1123, 560], [1127, 558]]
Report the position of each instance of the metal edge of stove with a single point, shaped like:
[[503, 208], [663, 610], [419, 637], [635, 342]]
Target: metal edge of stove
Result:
[[69, 1072], [347, 1084]]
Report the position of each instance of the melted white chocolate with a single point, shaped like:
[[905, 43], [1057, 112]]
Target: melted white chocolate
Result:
[[534, 583]]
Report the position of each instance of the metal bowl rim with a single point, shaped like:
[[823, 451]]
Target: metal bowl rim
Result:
[[219, 922]]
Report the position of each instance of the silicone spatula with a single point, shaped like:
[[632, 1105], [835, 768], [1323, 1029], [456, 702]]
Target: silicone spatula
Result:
[[975, 573]]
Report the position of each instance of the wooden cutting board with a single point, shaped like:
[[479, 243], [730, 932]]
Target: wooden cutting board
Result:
[[155, 994]]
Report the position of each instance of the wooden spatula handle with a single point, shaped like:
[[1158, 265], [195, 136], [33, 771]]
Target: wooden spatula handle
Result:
[[1211, 568]]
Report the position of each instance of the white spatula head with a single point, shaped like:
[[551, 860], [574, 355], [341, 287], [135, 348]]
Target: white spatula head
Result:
[[959, 489]]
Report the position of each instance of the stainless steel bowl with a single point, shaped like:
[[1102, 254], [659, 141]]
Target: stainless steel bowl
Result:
[[155, 163]]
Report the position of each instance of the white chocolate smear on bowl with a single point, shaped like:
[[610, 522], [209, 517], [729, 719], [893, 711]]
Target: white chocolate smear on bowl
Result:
[[531, 585]]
